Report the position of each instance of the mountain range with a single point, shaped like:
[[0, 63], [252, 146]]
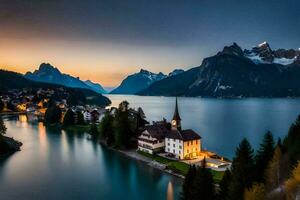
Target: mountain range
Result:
[[12, 80], [233, 72], [49, 74], [141, 80]]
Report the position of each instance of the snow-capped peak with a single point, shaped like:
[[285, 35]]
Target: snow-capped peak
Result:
[[262, 44]]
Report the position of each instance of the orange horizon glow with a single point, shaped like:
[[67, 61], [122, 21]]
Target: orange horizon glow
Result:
[[100, 62]]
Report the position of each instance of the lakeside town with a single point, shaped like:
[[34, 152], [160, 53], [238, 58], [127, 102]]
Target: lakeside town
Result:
[[167, 141]]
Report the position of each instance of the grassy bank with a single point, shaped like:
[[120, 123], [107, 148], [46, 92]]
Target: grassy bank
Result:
[[179, 167]]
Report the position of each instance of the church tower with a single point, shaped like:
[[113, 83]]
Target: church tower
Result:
[[176, 121]]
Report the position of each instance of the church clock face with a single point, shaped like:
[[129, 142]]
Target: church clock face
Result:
[[174, 123]]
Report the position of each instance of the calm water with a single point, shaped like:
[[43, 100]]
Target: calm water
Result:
[[222, 123], [66, 165]]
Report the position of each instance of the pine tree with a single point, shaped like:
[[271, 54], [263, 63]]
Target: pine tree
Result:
[[53, 115], [94, 131], [80, 118], [69, 118], [188, 183], [242, 171], [107, 129], [256, 192], [292, 185], [203, 187], [272, 174], [263, 156], [2, 128], [123, 131], [292, 143], [224, 186], [1, 105]]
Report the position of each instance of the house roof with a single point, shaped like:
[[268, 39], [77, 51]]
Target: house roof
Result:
[[157, 131], [185, 135]]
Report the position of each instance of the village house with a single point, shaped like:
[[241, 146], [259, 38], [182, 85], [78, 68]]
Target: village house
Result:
[[182, 144], [152, 139]]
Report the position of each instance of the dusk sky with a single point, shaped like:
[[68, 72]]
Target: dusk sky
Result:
[[106, 40]]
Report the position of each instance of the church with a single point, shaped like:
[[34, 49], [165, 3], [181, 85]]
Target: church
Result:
[[182, 144]]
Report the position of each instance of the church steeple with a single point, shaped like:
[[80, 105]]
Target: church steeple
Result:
[[176, 121]]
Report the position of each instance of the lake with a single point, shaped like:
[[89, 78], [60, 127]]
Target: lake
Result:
[[222, 123], [55, 164]]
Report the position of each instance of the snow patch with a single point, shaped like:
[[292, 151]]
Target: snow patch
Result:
[[255, 58], [224, 87], [283, 61], [262, 44]]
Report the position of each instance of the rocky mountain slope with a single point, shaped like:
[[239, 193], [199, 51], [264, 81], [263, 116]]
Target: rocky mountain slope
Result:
[[137, 82], [141, 80], [49, 74], [233, 72]]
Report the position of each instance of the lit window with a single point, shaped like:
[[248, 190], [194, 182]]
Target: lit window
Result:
[[187, 151]]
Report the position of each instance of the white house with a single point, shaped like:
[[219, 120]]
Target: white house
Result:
[[87, 115], [152, 139], [182, 144]]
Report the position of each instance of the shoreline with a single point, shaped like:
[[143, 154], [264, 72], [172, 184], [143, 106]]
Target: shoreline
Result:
[[12, 146], [148, 161], [152, 163]]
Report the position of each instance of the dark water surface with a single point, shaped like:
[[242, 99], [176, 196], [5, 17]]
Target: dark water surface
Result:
[[67, 165]]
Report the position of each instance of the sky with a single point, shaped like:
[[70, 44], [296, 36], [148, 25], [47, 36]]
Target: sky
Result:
[[106, 40]]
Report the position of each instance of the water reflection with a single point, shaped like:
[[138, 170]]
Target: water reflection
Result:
[[43, 137], [22, 122], [170, 193]]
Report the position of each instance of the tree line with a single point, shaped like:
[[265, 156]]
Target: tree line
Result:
[[270, 173], [120, 127]]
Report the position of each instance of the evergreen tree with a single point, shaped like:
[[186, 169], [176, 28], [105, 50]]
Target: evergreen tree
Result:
[[242, 170], [53, 115], [292, 185], [69, 118], [123, 126], [140, 120], [1, 105], [272, 175], [107, 129], [2, 128], [188, 183], [263, 156], [224, 186], [292, 143], [203, 187], [94, 131], [80, 118], [256, 192]]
